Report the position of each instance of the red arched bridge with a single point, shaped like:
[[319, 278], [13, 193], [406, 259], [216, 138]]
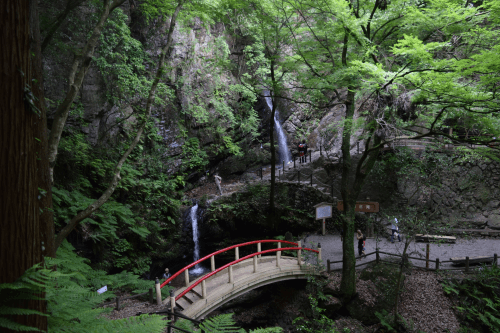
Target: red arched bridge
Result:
[[208, 292]]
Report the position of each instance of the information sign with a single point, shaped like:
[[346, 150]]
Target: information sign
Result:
[[361, 206]]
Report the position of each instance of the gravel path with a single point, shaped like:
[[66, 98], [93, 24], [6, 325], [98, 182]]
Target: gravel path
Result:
[[332, 249]]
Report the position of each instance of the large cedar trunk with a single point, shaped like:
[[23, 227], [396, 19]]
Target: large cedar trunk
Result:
[[23, 152]]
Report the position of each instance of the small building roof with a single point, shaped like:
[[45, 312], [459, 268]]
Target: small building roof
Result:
[[323, 204]]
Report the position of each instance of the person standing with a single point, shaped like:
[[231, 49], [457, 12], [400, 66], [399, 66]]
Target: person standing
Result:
[[359, 236], [303, 151], [218, 182], [395, 230], [166, 275]]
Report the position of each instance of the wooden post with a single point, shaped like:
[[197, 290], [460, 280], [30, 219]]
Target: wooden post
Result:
[[320, 151], [172, 304], [299, 253], [279, 174], [358, 147], [151, 295], [212, 263], [203, 289], [324, 226], [169, 328], [236, 253], [437, 264], [158, 291], [230, 273], [466, 264], [427, 256], [283, 164], [319, 252], [495, 259], [186, 277], [377, 260], [255, 264], [118, 304], [278, 255], [258, 250], [310, 152], [328, 269]]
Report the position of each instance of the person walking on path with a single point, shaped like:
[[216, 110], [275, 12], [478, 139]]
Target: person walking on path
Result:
[[303, 151], [218, 182], [395, 230], [359, 236]]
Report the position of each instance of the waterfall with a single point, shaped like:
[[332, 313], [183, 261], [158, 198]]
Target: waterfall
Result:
[[284, 152], [196, 253]]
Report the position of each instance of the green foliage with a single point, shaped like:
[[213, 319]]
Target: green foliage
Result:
[[196, 157], [321, 323], [478, 298], [71, 297]]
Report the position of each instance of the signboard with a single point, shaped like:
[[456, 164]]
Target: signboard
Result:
[[323, 212], [361, 206], [103, 289]]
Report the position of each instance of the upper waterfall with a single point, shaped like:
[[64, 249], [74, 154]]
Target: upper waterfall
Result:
[[284, 152]]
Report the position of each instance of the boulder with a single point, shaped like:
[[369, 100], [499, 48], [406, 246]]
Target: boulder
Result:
[[494, 221], [493, 204]]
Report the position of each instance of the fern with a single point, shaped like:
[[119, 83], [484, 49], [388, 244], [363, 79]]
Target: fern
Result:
[[221, 323]]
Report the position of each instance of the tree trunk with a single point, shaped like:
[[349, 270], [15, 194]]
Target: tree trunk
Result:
[[22, 135], [116, 178], [272, 214], [45, 183], [77, 73], [398, 286], [348, 282]]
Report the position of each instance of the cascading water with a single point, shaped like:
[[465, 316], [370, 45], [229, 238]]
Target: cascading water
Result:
[[284, 152], [196, 253]]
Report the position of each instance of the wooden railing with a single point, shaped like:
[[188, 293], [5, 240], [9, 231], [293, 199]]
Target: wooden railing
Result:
[[437, 262]]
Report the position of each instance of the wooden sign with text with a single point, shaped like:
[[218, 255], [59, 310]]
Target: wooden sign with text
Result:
[[361, 206]]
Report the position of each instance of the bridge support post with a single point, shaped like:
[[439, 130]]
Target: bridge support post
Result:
[[328, 266], [258, 250], [255, 264], [172, 303], [299, 253], [212, 263], [158, 291], [319, 252], [278, 255], [230, 273], [186, 277], [236, 253], [203, 289]]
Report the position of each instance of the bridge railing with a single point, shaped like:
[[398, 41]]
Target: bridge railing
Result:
[[212, 257], [230, 266], [298, 247]]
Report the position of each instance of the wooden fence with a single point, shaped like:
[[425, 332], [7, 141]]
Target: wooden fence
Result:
[[436, 262]]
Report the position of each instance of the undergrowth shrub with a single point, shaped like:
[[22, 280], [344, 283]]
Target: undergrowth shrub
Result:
[[477, 299]]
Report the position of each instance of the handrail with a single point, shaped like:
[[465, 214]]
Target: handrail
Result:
[[220, 251], [237, 261]]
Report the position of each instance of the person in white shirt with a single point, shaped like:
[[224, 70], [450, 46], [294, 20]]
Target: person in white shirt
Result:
[[395, 229]]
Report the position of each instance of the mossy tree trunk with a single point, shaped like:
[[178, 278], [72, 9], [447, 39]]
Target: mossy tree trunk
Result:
[[25, 203]]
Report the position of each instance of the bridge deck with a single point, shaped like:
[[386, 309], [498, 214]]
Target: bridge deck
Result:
[[220, 291]]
